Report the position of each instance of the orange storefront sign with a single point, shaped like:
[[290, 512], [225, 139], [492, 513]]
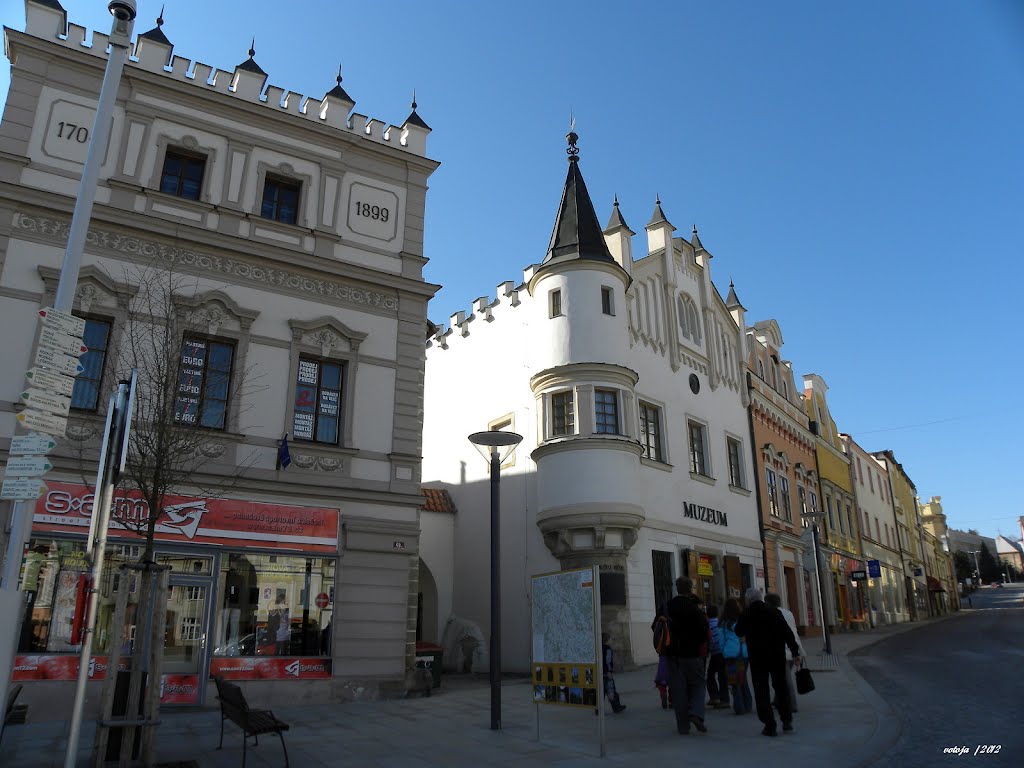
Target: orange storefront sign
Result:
[[67, 508]]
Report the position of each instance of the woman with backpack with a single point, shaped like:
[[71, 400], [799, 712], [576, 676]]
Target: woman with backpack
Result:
[[734, 652]]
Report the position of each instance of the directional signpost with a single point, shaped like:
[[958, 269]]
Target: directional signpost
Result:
[[48, 401]]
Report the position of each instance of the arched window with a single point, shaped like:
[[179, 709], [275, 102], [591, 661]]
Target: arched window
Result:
[[689, 323]]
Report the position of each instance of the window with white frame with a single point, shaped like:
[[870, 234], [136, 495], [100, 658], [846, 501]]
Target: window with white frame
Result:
[[191, 628], [787, 509], [606, 411], [734, 448], [773, 491], [563, 413], [801, 497], [650, 431], [555, 303], [698, 448]]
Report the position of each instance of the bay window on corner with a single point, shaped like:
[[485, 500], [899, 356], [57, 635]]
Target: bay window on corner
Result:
[[563, 413], [606, 412]]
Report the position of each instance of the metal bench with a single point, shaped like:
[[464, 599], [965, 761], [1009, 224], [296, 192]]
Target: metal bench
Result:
[[253, 722]]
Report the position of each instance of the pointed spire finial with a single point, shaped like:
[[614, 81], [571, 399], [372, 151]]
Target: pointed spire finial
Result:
[[657, 199], [695, 229], [339, 73], [616, 200], [413, 105], [160, 18], [252, 48], [572, 138]]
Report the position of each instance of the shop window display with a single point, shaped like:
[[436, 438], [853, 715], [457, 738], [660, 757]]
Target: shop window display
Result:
[[274, 605]]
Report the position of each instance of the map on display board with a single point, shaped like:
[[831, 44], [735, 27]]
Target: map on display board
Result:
[[564, 647], [563, 617]]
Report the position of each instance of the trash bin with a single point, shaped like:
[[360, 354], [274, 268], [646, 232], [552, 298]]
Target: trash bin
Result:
[[430, 656]]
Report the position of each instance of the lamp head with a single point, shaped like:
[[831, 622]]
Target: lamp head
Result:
[[495, 441]]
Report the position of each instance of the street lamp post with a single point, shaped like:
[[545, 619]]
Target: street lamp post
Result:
[[977, 568], [495, 446]]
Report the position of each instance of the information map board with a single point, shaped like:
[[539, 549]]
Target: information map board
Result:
[[565, 638]]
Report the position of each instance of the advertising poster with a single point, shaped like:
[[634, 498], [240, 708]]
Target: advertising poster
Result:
[[179, 689], [276, 668], [67, 508]]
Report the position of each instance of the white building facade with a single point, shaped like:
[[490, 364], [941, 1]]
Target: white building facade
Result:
[[296, 226], [626, 379]]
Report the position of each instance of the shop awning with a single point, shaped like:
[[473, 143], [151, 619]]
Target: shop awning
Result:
[[934, 585]]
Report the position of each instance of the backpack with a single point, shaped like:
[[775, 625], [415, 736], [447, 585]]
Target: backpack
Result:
[[662, 634]]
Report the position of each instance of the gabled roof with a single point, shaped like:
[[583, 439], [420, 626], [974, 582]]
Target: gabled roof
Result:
[[577, 231]]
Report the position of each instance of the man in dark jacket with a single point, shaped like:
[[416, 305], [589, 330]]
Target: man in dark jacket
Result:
[[685, 664], [767, 636]]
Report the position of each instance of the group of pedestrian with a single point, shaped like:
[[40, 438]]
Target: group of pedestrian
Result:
[[714, 656]]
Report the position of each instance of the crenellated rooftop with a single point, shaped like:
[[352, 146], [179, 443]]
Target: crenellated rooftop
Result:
[[153, 52]]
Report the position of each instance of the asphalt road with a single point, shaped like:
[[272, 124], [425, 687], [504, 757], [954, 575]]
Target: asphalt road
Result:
[[955, 685]]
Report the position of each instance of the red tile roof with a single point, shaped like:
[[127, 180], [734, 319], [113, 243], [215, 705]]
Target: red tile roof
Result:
[[438, 500]]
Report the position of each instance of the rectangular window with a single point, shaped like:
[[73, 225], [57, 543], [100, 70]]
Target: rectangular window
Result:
[[878, 532], [563, 413], [204, 377], [773, 493], [801, 497], [182, 175], [698, 449], [814, 503], [86, 394], [280, 200], [191, 628], [555, 303], [787, 509], [268, 609], [606, 301], [867, 524], [735, 464], [606, 411], [860, 473], [318, 389], [828, 509], [650, 431], [839, 514], [849, 519], [881, 487]]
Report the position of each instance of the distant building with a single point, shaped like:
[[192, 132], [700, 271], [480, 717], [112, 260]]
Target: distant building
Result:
[[1010, 552]]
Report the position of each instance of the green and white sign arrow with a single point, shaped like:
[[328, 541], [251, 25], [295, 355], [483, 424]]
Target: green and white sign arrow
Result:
[[32, 445], [28, 466]]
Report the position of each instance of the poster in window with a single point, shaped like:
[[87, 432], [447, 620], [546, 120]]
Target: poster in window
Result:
[[329, 403], [309, 372], [302, 426], [305, 398]]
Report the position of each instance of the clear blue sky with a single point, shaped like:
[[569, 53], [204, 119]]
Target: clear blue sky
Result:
[[856, 168]]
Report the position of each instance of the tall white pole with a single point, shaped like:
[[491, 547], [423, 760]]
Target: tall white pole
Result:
[[120, 39]]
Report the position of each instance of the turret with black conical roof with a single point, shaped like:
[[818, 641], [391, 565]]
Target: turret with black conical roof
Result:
[[732, 300], [415, 130], [44, 18], [249, 77], [153, 49], [659, 229], [577, 233], [336, 105], [618, 236]]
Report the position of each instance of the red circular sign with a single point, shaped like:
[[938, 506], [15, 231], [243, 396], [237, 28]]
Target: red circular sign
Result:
[[322, 600]]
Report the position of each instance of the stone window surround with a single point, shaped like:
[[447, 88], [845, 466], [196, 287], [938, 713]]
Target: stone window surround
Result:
[[203, 315], [501, 424], [742, 470], [190, 145], [582, 378], [286, 172], [328, 329]]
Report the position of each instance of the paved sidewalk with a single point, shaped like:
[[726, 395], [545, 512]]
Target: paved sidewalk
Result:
[[842, 719]]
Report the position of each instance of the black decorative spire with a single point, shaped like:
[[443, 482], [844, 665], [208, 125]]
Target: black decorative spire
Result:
[[732, 300], [696, 243], [658, 217], [339, 92], [156, 34], [577, 232], [413, 118], [250, 65], [616, 222]]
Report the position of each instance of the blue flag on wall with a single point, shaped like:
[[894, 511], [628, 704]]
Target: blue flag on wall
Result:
[[284, 458]]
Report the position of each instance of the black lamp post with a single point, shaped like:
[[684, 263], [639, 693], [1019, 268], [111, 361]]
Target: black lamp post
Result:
[[495, 446]]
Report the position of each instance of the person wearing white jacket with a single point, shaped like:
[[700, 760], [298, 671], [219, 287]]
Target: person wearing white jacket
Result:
[[775, 601]]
